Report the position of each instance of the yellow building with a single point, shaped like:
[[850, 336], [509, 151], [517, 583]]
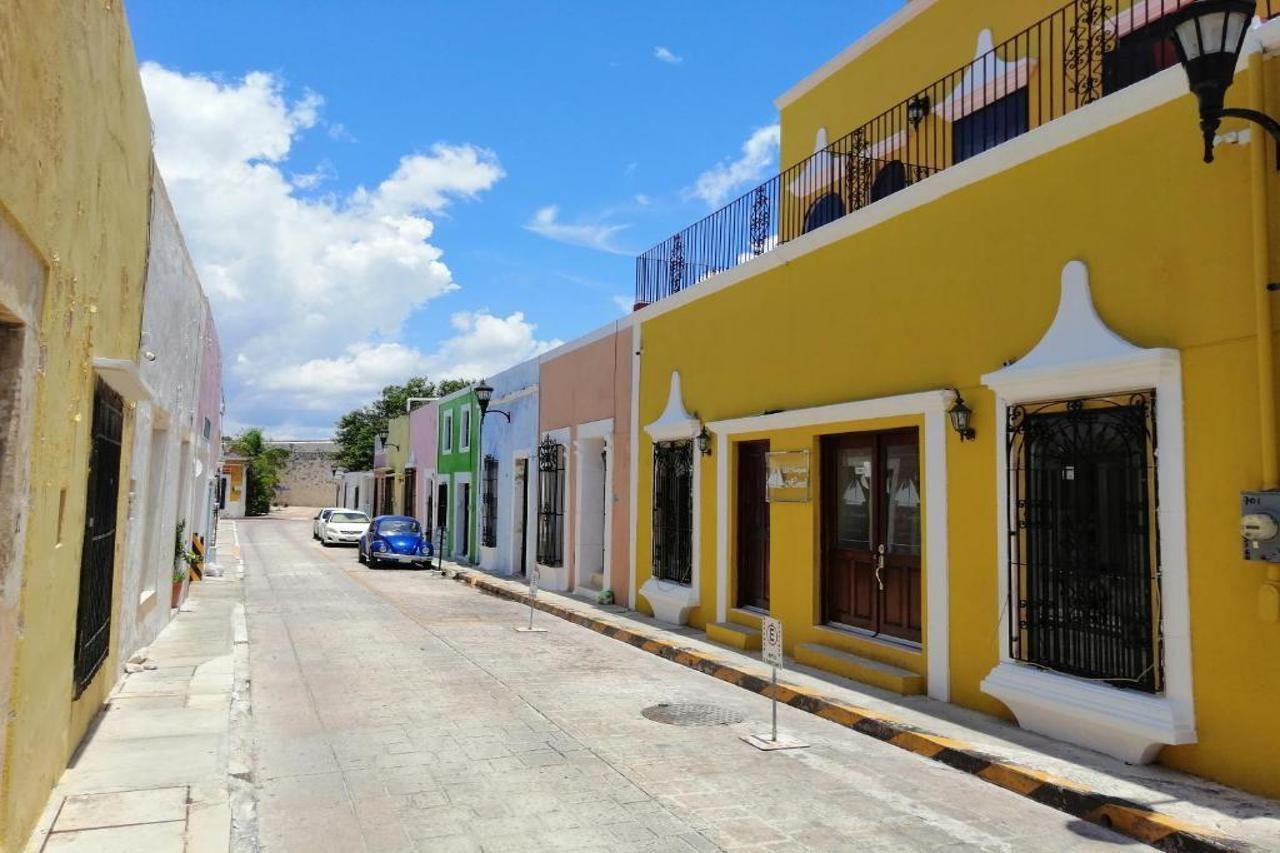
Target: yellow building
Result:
[[1002, 203], [75, 138]]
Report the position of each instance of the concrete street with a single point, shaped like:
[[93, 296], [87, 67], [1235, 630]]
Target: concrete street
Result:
[[394, 710]]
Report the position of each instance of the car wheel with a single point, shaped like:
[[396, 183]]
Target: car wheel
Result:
[[359, 554]]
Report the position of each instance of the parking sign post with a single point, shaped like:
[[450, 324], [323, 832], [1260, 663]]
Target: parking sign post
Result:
[[533, 596], [771, 652]]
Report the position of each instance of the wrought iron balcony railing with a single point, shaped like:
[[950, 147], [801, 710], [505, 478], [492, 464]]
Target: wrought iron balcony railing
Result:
[[1080, 53]]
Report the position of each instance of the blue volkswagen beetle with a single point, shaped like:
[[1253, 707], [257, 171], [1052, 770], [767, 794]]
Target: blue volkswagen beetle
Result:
[[394, 539]]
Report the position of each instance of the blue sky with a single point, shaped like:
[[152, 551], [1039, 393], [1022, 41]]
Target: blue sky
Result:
[[550, 141]]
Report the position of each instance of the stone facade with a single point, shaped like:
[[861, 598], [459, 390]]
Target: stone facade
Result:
[[307, 478]]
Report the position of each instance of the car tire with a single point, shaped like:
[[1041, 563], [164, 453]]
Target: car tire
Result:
[[360, 554]]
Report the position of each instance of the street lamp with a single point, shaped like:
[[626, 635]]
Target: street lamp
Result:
[[484, 394], [1209, 35]]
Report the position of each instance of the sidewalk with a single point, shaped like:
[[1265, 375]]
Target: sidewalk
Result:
[[153, 774], [1162, 807]]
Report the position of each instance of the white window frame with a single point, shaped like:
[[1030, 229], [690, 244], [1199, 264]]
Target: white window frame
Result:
[[1079, 356], [464, 429], [446, 434]]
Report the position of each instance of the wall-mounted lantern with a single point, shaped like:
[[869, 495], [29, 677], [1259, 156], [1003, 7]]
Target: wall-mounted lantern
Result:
[[704, 442], [1209, 35], [484, 394], [918, 109], [961, 415]]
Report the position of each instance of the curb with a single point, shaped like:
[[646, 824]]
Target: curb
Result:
[[1120, 815]]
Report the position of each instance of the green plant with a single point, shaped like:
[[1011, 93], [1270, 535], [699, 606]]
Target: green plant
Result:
[[183, 557]]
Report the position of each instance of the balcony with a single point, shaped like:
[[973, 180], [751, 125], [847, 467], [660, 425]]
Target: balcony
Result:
[[1084, 51]]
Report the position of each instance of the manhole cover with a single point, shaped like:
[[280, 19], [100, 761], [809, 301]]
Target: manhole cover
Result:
[[691, 714]]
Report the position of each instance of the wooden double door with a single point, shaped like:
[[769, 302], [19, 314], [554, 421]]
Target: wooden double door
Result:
[[871, 509]]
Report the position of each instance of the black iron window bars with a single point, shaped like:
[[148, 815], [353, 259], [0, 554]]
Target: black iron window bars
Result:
[[1084, 558], [673, 511], [489, 508], [551, 488]]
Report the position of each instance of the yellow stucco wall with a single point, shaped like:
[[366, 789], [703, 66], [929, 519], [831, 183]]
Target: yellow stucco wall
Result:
[[950, 290], [926, 48], [397, 457], [75, 141]]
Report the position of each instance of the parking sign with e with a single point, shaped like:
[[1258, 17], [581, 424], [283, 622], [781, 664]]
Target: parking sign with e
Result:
[[771, 640]]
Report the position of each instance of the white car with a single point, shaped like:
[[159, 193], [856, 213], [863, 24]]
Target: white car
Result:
[[317, 523], [344, 526]]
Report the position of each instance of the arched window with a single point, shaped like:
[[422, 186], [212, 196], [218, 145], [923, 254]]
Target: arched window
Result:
[[826, 209], [889, 180]]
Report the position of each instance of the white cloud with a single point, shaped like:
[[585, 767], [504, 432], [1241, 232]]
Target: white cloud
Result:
[[718, 185], [295, 278], [663, 55], [643, 200], [546, 222], [482, 344], [626, 304]]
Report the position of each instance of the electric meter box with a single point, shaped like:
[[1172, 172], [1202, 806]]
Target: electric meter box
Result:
[[1260, 526]]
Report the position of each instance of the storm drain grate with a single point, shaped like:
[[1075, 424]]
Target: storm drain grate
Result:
[[691, 714]]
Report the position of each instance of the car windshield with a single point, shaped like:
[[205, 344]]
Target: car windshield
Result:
[[398, 526], [349, 517]]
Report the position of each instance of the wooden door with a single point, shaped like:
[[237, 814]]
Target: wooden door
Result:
[[871, 532], [753, 526]]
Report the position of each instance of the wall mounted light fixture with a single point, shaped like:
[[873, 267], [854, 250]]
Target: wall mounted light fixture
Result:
[[961, 415], [1209, 35], [704, 442], [918, 109]]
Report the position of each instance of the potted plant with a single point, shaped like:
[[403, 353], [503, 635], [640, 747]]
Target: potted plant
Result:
[[182, 559]]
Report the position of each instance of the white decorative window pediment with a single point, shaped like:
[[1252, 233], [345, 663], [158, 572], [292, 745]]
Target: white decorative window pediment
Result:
[[675, 423]]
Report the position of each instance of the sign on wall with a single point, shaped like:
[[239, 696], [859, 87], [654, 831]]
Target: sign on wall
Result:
[[787, 478]]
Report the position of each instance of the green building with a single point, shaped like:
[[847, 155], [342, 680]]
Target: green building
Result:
[[457, 453]]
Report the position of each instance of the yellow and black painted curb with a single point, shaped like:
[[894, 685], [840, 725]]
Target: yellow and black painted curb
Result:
[[1124, 816]]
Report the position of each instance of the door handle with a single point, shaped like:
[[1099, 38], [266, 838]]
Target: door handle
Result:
[[880, 567]]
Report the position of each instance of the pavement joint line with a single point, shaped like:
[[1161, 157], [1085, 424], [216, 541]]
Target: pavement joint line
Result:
[[1129, 818]]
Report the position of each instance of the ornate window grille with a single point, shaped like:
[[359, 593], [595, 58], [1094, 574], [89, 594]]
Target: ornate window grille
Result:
[[489, 510], [551, 463], [1084, 561], [673, 511], [97, 555]]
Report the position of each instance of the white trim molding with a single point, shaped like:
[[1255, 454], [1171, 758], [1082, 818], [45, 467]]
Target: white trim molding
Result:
[[124, 378], [1080, 356], [600, 431], [672, 602], [933, 405], [633, 462]]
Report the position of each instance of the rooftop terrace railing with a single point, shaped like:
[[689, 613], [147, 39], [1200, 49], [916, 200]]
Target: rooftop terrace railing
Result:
[[1080, 53]]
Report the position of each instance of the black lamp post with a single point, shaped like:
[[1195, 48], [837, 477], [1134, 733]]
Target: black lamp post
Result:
[[1208, 35]]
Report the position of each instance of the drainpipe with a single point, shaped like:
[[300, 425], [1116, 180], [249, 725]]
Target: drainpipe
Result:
[[1260, 172]]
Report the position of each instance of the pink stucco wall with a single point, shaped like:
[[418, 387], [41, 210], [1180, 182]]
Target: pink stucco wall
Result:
[[586, 384], [422, 445]]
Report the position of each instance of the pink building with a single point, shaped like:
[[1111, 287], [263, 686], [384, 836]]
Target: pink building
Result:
[[422, 461], [583, 464]]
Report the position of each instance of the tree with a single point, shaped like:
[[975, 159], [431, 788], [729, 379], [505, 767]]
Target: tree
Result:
[[264, 467], [357, 428]]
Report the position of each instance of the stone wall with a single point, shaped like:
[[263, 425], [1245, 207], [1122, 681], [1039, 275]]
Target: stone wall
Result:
[[307, 478]]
